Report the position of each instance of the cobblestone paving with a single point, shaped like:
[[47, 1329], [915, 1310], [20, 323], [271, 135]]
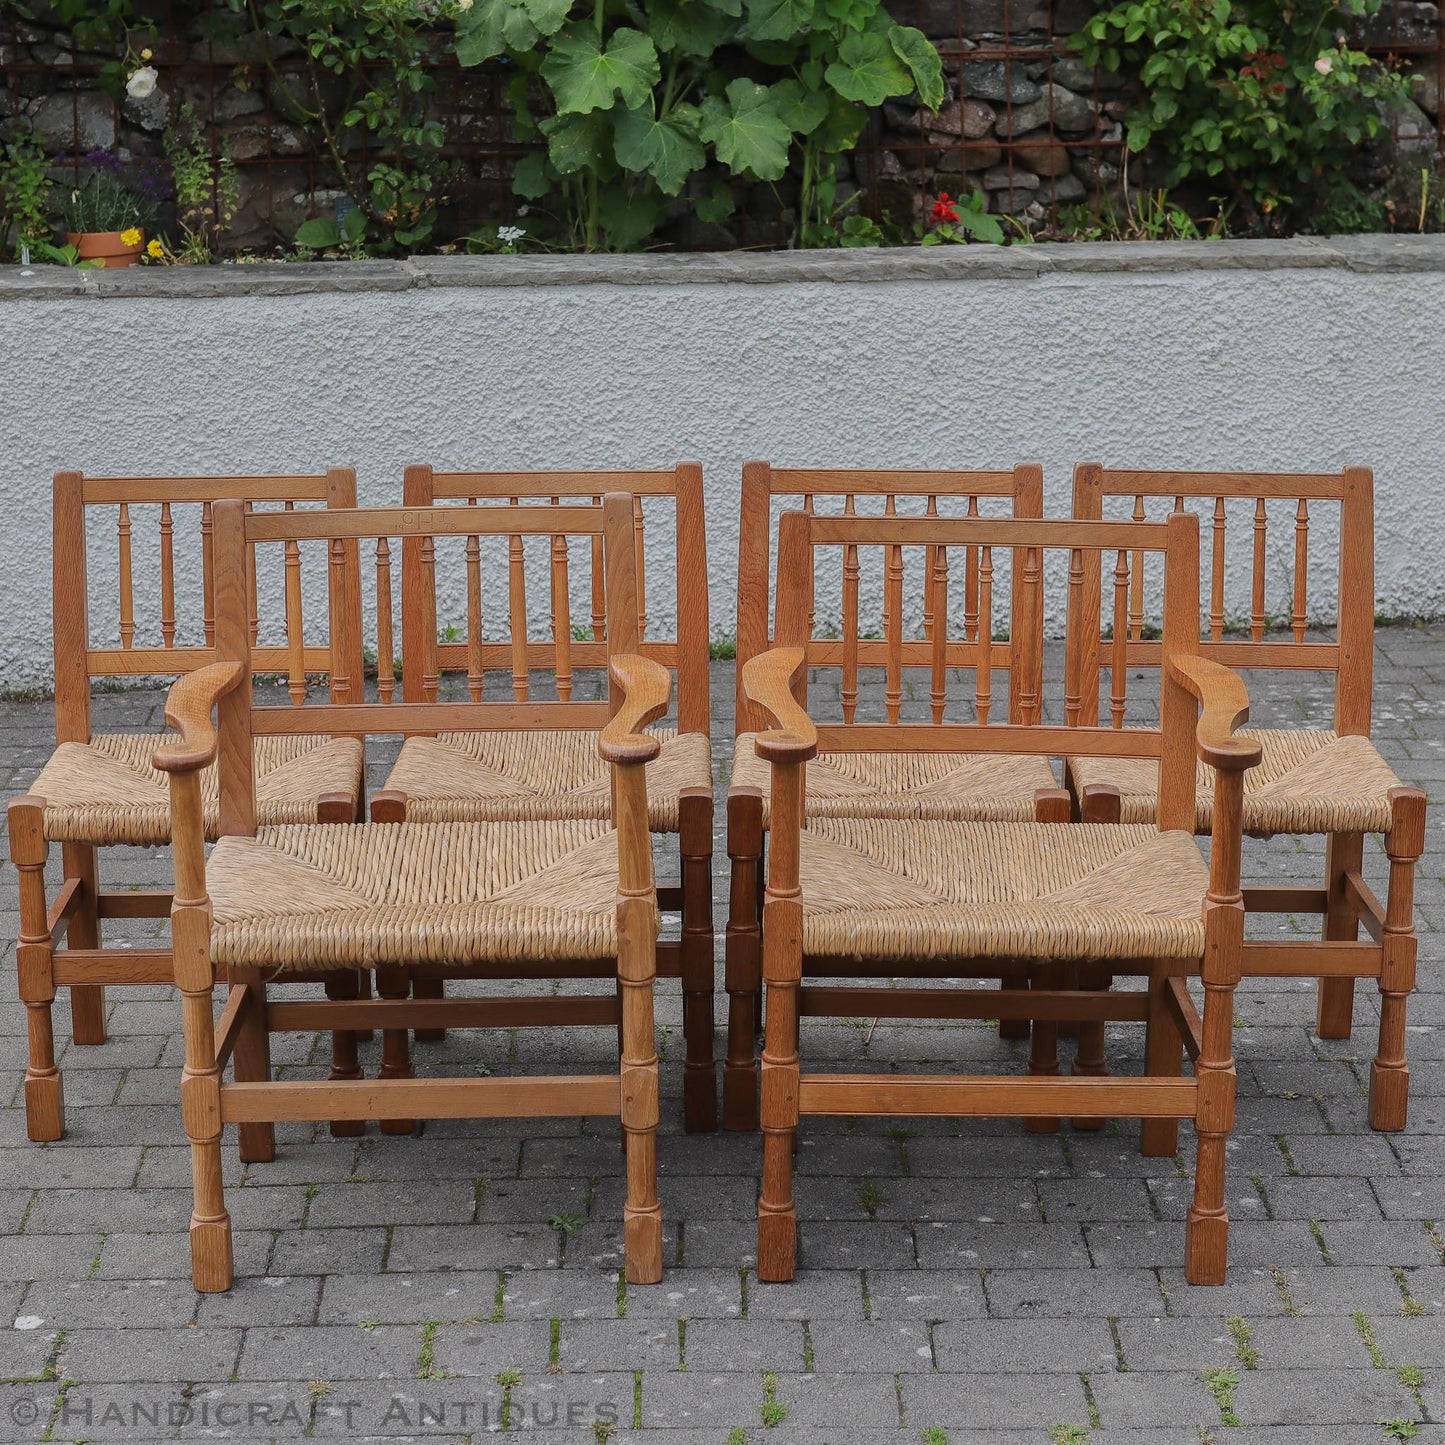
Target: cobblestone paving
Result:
[[960, 1283]]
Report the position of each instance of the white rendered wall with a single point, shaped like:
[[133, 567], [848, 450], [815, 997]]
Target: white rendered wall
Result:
[[1280, 367]]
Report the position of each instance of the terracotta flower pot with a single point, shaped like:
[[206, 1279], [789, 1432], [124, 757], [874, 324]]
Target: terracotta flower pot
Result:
[[105, 247]]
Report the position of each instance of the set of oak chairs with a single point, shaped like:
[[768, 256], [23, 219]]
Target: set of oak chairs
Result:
[[978, 840]]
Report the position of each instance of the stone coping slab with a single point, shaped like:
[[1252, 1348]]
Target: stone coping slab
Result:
[[1363, 254]]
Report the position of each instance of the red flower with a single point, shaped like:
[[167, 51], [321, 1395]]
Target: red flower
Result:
[[943, 209]]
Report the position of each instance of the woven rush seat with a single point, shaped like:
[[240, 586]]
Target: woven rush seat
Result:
[[963, 787], [1308, 781], [885, 889], [107, 791], [538, 775], [358, 895]]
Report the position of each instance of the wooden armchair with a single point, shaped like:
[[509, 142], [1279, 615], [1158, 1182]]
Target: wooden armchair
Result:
[[538, 899], [99, 790], [525, 768], [937, 898], [1317, 780], [898, 782]]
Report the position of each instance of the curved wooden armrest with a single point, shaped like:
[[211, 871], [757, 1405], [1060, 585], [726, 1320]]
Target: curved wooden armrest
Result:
[[188, 710], [767, 681], [646, 691], [1225, 705]]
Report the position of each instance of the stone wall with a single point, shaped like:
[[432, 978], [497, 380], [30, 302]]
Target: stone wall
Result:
[[1276, 355], [1029, 125]]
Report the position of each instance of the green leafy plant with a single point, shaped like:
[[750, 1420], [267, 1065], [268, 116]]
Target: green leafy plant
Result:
[[66, 255], [1268, 101], [25, 189], [1399, 1428], [956, 221], [207, 186], [321, 233], [368, 67], [642, 102], [104, 201]]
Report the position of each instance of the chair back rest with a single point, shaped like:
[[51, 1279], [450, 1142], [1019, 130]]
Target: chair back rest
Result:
[[667, 506], [824, 491], [239, 533], [1228, 503], [186, 503], [1171, 739]]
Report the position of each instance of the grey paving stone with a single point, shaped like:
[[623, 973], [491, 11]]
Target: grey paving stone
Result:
[[1346, 1288], [330, 1352], [854, 1400], [481, 1351], [1388, 1241], [998, 1246], [622, 1344], [751, 1346], [701, 1293], [1148, 1399], [885, 1244], [994, 1401], [1320, 1397], [140, 1355], [812, 1294], [1410, 1341], [472, 1247], [1003, 1346], [1301, 1344], [897, 1346], [322, 1251], [1325, 1199], [448, 1296], [109, 1303]]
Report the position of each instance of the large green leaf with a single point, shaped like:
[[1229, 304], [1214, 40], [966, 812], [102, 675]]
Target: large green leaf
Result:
[[668, 150], [492, 27], [747, 130], [841, 127], [531, 177], [800, 109], [488, 27], [688, 28], [717, 205], [779, 19], [916, 51], [629, 215], [727, 7], [580, 142], [868, 70], [585, 78], [549, 16]]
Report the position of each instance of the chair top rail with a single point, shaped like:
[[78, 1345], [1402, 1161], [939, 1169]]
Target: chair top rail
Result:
[[102, 491], [580, 520], [567, 482], [882, 481], [1327, 486], [987, 532]]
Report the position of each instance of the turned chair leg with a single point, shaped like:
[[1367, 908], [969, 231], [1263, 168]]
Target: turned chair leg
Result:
[[87, 1001], [1335, 1005], [345, 1060], [395, 1043], [1390, 1071], [430, 986], [251, 1063], [781, 1074], [44, 1097], [742, 959], [699, 1078], [642, 1212], [212, 1266], [1163, 1059]]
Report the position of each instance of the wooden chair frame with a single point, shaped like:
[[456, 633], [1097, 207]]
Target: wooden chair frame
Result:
[[776, 682], [74, 917], [639, 694], [746, 841], [1345, 902], [688, 957]]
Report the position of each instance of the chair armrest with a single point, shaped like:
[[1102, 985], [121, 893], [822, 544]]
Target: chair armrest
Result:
[[188, 710], [767, 681], [646, 691], [1224, 701]]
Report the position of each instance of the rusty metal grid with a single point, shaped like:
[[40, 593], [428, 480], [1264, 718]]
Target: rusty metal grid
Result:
[[897, 166]]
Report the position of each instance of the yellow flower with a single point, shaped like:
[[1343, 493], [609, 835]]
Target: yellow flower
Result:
[[156, 251], [130, 238], [145, 55]]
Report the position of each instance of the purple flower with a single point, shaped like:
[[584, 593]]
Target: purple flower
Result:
[[101, 159]]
